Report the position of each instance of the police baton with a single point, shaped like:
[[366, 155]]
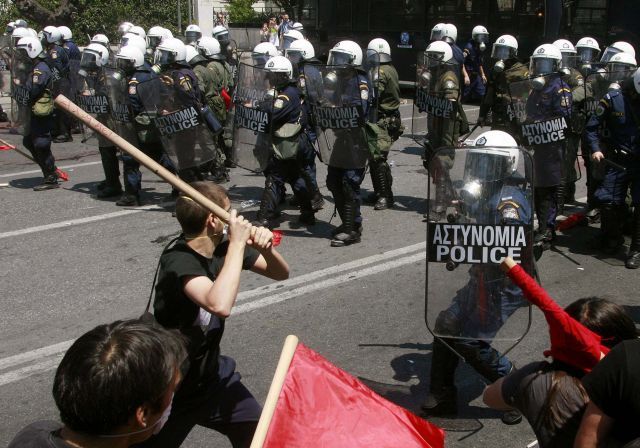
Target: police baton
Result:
[[614, 165], [71, 108], [468, 134]]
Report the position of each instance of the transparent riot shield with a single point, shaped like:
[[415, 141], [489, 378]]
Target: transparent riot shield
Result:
[[253, 104], [21, 70], [177, 121], [488, 215], [91, 95], [543, 107], [120, 108], [338, 109], [435, 103], [372, 67], [5, 70]]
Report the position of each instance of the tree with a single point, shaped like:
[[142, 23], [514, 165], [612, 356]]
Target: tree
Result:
[[241, 11], [292, 7]]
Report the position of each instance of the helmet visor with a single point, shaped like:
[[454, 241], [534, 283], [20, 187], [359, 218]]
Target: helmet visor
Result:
[[126, 65], [260, 59], [164, 57], [486, 166], [277, 79], [608, 54], [223, 38], [340, 58], [542, 66], [501, 52], [568, 60], [287, 41], [587, 54], [481, 38], [89, 61], [295, 56], [192, 36], [154, 41], [434, 59], [619, 72], [437, 34]]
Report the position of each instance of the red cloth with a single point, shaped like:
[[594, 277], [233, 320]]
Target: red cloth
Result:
[[226, 97], [322, 406], [571, 342]]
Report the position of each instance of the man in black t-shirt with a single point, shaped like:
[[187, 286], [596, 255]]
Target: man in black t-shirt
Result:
[[198, 282], [614, 389]]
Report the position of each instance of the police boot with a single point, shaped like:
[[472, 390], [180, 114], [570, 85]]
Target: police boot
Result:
[[610, 238], [439, 208], [49, 182], [374, 168], [570, 193], [268, 204], [443, 394], [128, 200], [560, 191], [349, 233], [385, 196], [633, 259], [111, 168], [317, 201]]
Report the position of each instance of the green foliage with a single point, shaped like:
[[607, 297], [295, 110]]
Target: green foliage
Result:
[[241, 11]]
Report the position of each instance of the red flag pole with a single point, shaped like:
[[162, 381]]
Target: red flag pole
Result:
[[5, 146], [288, 350]]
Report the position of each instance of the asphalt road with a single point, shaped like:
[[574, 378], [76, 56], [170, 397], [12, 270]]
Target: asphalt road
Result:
[[70, 262]]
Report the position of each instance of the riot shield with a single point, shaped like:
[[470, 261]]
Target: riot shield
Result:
[[5, 70], [253, 103], [433, 106], [372, 67], [489, 215], [177, 121], [542, 108], [91, 95], [21, 69], [338, 114], [122, 114]]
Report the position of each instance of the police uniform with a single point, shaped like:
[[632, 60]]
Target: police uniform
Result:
[[387, 92], [477, 312], [74, 65], [147, 138], [497, 100], [58, 60], [458, 56], [37, 138], [224, 84], [473, 61], [553, 100], [344, 184], [619, 112]]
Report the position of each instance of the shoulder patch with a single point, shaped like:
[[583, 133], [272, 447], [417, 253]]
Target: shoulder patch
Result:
[[600, 110], [564, 101], [35, 78], [283, 97], [364, 93], [132, 89], [185, 82], [278, 104]]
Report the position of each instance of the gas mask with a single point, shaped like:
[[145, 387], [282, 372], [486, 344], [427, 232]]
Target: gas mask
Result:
[[538, 83], [425, 77], [499, 66], [482, 46], [331, 80]]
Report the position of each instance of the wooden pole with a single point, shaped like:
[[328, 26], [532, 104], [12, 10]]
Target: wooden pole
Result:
[[68, 105], [288, 350], [507, 264]]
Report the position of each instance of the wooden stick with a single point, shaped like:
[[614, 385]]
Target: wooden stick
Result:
[[507, 264], [68, 105], [288, 350]]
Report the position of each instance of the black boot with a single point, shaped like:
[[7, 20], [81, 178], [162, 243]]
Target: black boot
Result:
[[372, 197], [633, 259], [350, 234], [560, 191], [439, 205], [317, 202], [112, 186], [127, 200], [385, 196], [610, 239], [268, 204], [49, 182], [570, 193], [442, 397]]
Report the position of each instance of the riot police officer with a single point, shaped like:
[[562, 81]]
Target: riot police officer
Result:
[[450, 36], [58, 60], [225, 63], [505, 69], [192, 34], [474, 64], [155, 35], [305, 68], [619, 111], [588, 51], [290, 36], [574, 78], [74, 61], [130, 61], [482, 306], [262, 53], [615, 48], [37, 97], [284, 164], [386, 88], [550, 98]]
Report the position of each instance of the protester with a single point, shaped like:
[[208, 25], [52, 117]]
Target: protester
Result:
[[264, 32], [114, 387], [198, 281], [614, 390]]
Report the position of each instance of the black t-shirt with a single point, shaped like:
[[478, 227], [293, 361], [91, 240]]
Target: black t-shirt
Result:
[[173, 309], [42, 434], [614, 386], [527, 390]]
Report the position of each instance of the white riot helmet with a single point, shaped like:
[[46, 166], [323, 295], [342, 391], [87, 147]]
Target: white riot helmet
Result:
[[124, 28], [30, 45], [18, 34], [636, 80], [94, 57], [289, 37], [546, 59], [262, 53], [10, 27], [280, 71], [621, 66], [100, 39], [134, 39], [20, 23], [379, 48], [192, 55], [504, 48], [617, 47], [302, 47], [437, 32], [297, 26], [170, 51], [438, 52], [51, 34], [32, 32], [209, 48], [480, 34], [138, 30], [588, 49], [450, 34], [66, 33], [221, 33], [491, 159], [568, 52], [192, 34], [129, 58], [345, 52]]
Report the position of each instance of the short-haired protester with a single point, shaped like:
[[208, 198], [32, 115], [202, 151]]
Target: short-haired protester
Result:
[[114, 388], [198, 282]]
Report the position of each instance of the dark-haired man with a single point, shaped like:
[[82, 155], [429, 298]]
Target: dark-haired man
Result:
[[114, 387]]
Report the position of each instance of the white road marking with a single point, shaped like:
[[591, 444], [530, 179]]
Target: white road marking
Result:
[[34, 362], [66, 167], [74, 222]]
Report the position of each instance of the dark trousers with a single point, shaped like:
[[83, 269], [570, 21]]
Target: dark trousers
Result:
[[281, 172], [131, 167], [38, 142], [546, 207], [338, 178]]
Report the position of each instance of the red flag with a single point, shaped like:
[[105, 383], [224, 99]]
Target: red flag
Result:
[[322, 406]]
